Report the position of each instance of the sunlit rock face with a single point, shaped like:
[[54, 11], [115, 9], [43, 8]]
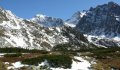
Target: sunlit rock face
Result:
[[41, 32]]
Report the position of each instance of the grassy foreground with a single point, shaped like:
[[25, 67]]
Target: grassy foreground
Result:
[[106, 58]]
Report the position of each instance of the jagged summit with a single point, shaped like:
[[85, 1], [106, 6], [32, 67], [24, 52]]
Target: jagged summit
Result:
[[73, 21], [101, 19], [111, 7], [47, 21], [111, 3], [40, 15], [102, 24]]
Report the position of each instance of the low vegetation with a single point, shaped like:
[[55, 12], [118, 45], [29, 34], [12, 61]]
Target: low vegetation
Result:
[[107, 64], [60, 56], [21, 50], [102, 53], [13, 55], [2, 66], [62, 47], [107, 58], [63, 61]]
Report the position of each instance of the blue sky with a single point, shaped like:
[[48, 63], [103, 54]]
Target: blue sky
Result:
[[55, 8]]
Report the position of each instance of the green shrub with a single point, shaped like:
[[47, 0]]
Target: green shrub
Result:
[[45, 67], [13, 55], [55, 61], [102, 53], [63, 61], [62, 47], [21, 50]]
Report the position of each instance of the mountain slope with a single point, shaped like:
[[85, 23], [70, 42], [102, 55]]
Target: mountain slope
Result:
[[102, 22], [102, 19], [42, 32]]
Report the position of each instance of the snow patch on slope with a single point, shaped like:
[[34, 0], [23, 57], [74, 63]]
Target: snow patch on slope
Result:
[[16, 65], [117, 38], [82, 65], [117, 18], [8, 24], [82, 14], [71, 25], [17, 41]]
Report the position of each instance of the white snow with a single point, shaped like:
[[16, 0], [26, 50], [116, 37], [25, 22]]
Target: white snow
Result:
[[64, 39], [70, 24], [16, 65], [16, 40], [58, 29], [30, 38], [117, 18], [50, 28], [41, 16], [44, 63], [2, 54], [9, 24], [83, 65], [6, 62], [89, 37], [13, 18], [82, 14], [116, 38]]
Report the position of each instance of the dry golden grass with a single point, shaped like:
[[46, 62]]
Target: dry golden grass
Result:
[[2, 66], [24, 56], [106, 64]]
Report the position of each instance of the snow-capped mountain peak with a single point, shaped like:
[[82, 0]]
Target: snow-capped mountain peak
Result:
[[47, 21], [41, 15], [103, 20], [73, 21]]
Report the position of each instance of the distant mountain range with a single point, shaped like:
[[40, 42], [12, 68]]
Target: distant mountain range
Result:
[[96, 27]]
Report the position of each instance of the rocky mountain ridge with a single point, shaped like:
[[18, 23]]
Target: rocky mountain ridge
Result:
[[42, 32], [101, 24]]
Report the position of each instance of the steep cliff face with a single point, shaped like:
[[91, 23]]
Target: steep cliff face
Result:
[[100, 25], [104, 19], [76, 17]]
